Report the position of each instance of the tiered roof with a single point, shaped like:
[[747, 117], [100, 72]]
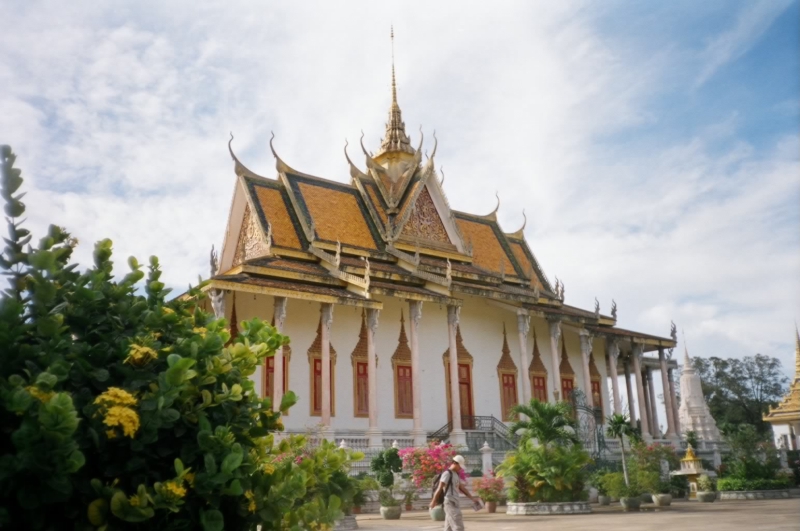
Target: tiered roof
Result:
[[389, 231]]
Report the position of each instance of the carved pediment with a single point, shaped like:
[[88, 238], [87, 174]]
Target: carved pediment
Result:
[[424, 222]]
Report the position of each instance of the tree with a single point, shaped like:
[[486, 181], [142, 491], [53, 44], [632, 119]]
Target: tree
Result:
[[740, 391], [122, 410], [546, 422], [619, 427]]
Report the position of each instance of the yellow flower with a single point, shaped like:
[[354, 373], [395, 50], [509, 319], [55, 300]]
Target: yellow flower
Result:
[[175, 489], [38, 394], [268, 468], [139, 355], [134, 501], [251, 498], [111, 434], [201, 331], [115, 396], [189, 477], [167, 311], [124, 417]]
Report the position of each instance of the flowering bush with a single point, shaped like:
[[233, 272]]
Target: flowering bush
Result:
[[120, 410], [649, 456], [489, 487], [424, 464]]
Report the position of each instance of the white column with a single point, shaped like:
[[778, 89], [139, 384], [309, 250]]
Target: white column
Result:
[[415, 313], [671, 434], [486, 458], [373, 432], [635, 358], [277, 375], [653, 412], [555, 334], [327, 321], [523, 327], [613, 355], [586, 349], [457, 436], [674, 398], [629, 389]]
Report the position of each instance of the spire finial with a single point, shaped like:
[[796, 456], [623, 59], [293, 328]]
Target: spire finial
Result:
[[394, 85]]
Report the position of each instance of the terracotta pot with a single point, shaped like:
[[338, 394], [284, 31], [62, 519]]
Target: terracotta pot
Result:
[[408, 507], [437, 514], [662, 500], [706, 496], [390, 513], [491, 507], [630, 504], [602, 499], [356, 509]]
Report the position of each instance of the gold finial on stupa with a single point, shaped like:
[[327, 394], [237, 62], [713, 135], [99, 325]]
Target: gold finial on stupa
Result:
[[690, 455], [796, 353]]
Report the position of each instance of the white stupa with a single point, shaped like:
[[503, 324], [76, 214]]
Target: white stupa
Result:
[[693, 413]]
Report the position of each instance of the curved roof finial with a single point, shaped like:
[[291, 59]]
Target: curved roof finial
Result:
[[279, 164], [441, 170], [435, 144], [238, 167], [497, 195], [525, 218], [421, 136], [354, 171]]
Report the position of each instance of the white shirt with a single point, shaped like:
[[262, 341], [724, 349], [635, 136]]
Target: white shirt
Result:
[[452, 492]]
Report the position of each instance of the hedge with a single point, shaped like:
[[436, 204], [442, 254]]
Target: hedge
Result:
[[737, 484]]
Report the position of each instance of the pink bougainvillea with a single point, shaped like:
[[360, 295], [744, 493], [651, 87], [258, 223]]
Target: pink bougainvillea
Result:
[[424, 464]]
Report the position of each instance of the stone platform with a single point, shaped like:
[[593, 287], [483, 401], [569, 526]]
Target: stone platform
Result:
[[753, 494], [537, 509]]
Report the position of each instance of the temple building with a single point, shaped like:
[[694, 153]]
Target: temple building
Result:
[[785, 418], [406, 316], [694, 413]]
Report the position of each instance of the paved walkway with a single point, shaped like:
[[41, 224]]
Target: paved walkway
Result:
[[770, 515]]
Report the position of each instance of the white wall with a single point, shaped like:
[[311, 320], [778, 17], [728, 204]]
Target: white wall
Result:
[[482, 332]]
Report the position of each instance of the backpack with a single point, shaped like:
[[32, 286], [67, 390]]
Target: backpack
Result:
[[439, 500]]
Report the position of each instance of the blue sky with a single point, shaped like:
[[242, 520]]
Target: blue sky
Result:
[[654, 146]]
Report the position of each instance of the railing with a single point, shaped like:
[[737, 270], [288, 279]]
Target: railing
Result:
[[488, 429]]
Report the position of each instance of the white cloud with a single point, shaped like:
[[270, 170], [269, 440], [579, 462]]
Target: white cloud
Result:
[[753, 20], [120, 119]]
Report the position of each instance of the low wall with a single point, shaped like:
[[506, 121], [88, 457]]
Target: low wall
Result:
[[537, 508], [753, 494]]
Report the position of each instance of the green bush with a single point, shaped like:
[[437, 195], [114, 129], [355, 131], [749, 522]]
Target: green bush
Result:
[[614, 485], [739, 484], [705, 483], [546, 473], [385, 465], [120, 410]]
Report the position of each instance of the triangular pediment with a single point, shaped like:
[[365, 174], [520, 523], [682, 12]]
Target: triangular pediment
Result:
[[424, 222], [425, 219]]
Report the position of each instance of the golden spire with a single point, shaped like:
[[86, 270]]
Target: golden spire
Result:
[[395, 138], [796, 353]]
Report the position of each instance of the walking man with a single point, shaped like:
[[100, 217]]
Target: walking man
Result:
[[449, 486]]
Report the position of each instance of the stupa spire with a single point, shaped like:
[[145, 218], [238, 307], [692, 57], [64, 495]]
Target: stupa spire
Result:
[[796, 353], [395, 138]]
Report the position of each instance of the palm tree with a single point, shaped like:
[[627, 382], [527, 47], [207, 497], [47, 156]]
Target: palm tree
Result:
[[549, 423], [619, 427]]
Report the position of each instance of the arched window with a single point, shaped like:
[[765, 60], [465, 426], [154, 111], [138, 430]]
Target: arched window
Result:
[[315, 374], [537, 373], [403, 384], [567, 373], [507, 375], [360, 364]]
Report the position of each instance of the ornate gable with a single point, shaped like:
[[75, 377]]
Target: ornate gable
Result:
[[252, 242], [462, 354], [425, 224]]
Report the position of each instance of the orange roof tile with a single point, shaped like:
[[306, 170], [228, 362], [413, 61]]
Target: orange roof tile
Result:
[[486, 249], [376, 201], [526, 264], [275, 209], [337, 215]]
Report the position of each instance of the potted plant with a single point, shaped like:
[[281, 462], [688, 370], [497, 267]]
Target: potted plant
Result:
[[490, 490], [363, 488], [410, 495], [629, 494], [390, 506], [706, 492], [596, 481], [663, 498]]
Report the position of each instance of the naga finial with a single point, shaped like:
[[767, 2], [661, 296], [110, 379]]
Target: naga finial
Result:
[[449, 273], [614, 309], [214, 263], [338, 257], [596, 307]]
